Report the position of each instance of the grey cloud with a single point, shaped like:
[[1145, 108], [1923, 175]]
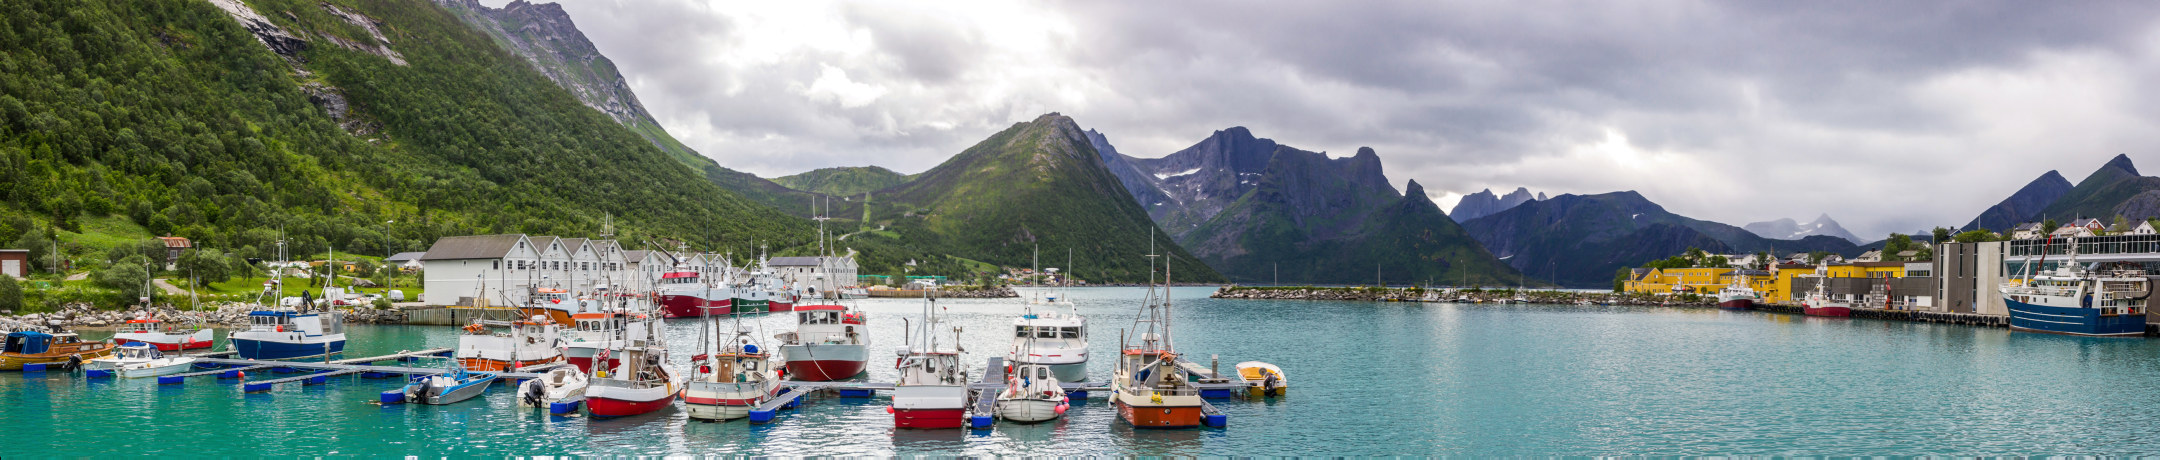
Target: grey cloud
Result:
[[1463, 95]]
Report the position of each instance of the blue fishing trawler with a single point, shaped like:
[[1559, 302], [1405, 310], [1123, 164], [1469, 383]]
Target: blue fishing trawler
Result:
[[2076, 300]]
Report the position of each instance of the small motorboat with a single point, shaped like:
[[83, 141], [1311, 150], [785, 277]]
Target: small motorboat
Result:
[[165, 336], [1264, 380], [448, 387], [1031, 395], [125, 354], [559, 384], [66, 349]]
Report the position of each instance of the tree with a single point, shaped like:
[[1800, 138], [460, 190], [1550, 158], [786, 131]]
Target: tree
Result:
[[11, 296], [1897, 243], [2048, 227], [1817, 257], [1942, 235], [1619, 280], [207, 265], [1762, 260], [128, 275], [1977, 236], [40, 247]]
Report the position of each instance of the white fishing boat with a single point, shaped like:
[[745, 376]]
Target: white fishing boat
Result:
[[527, 342], [830, 342], [1032, 394], [1051, 332], [607, 330], [733, 376], [932, 391], [557, 385]]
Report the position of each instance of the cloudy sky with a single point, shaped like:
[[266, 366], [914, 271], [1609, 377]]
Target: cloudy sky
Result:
[[1890, 116]]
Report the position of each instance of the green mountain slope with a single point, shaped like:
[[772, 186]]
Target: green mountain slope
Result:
[[1311, 219], [843, 181], [1038, 183], [2105, 193], [548, 40], [177, 116]]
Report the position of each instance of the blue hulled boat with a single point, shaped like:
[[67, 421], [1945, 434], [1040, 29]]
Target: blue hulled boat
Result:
[[289, 334], [2075, 300]]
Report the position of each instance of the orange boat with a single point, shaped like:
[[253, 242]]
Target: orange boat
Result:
[[1150, 389], [42, 348], [527, 343], [554, 303]]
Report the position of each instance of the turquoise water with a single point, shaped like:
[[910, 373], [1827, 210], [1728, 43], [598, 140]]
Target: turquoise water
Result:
[[1368, 379]]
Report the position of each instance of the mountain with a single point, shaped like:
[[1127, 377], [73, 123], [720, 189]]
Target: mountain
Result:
[[1321, 220], [1581, 240], [1190, 186], [546, 38], [2023, 206], [1787, 229], [2114, 189], [1484, 203], [843, 181], [353, 125], [1144, 188], [1036, 184]]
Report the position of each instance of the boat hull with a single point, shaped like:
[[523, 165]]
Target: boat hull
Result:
[[1830, 311], [929, 406], [1029, 410], [929, 418], [1737, 304], [690, 306], [608, 401], [722, 401], [455, 394], [169, 342], [2026, 317], [824, 363], [497, 365], [282, 350], [1151, 416], [140, 371]]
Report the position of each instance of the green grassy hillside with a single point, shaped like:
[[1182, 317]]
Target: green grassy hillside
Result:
[[1038, 183], [172, 115], [843, 181]]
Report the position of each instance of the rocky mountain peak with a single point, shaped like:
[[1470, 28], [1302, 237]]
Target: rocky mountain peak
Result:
[[1486, 203], [2122, 162]]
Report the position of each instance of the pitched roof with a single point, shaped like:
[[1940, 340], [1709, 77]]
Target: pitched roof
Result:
[[472, 247], [572, 244], [795, 261], [540, 243], [637, 255], [405, 256], [175, 242]]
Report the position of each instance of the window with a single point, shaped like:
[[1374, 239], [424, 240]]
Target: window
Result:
[[495, 264], [1072, 332], [1046, 332], [1020, 332]]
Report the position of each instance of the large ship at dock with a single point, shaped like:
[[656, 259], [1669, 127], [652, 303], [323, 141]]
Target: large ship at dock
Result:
[[2074, 300]]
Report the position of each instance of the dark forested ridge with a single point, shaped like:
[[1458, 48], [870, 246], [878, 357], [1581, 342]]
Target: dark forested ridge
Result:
[[173, 115]]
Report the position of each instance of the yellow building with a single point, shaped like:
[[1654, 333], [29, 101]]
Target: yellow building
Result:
[[1696, 280]]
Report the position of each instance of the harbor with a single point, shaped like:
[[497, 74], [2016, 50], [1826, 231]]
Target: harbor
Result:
[[1465, 379]]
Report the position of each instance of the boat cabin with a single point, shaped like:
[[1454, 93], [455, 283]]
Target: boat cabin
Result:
[[551, 296], [825, 314], [1048, 332], [138, 351], [141, 325], [932, 368], [29, 343], [678, 278], [310, 323]]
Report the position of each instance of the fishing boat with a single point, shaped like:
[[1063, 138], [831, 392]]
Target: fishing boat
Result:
[[448, 387], [1264, 380], [556, 304], [290, 334], [640, 384], [1150, 389], [557, 385], [526, 342], [66, 349], [932, 391], [732, 377], [165, 336], [609, 330], [1737, 296], [830, 342], [2076, 300], [1042, 335], [1032, 394], [1819, 303], [683, 293]]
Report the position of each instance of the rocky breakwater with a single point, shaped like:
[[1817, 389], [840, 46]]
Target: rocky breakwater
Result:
[[223, 314], [1370, 294], [971, 292]]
